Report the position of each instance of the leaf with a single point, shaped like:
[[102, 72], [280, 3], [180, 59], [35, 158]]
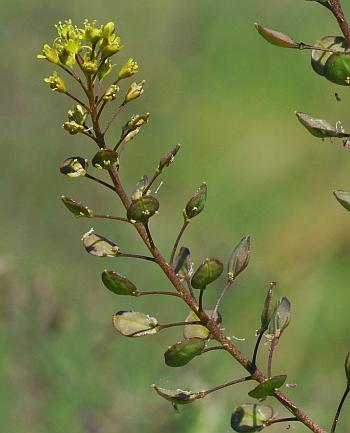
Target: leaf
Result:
[[98, 245], [197, 202], [276, 38], [250, 417], [134, 324], [319, 58], [177, 396], [118, 284], [239, 258], [343, 198], [142, 209], [207, 272], [320, 128], [267, 388], [74, 166], [77, 208], [183, 352], [337, 69], [104, 158], [280, 318], [198, 331]]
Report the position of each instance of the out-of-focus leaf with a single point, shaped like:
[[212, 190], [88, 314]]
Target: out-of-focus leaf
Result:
[[135, 324], [343, 198]]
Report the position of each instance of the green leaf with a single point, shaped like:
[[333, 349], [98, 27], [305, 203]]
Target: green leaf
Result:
[[267, 388], [77, 208], [250, 417], [198, 331], [142, 209], [118, 284], [320, 128], [337, 69], [177, 396], [276, 38], [343, 198], [74, 166], [239, 258], [280, 318], [197, 202], [105, 158], [319, 58], [98, 245], [134, 324], [207, 272], [183, 352]]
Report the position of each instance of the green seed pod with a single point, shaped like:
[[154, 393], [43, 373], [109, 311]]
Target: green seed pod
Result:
[[98, 245], [74, 166], [168, 158], [142, 209], [199, 331], [319, 58], [197, 202], [269, 308], [207, 272], [250, 417], [177, 396], [105, 158], [239, 258], [77, 209], [118, 284], [267, 388], [183, 352], [280, 318], [276, 38], [134, 324], [108, 29], [343, 198], [337, 69]]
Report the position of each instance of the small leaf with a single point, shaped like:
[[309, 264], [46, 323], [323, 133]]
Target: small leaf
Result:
[[347, 367], [343, 198], [250, 417], [177, 396], [118, 284], [98, 245], [142, 209], [183, 352], [198, 331], [319, 58], [77, 209], [208, 271], [280, 318], [267, 388], [74, 166], [269, 307], [337, 69], [239, 258], [104, 158], [276, 38], [182, 262], [168, 158], [197, 202], [134, 324], [320, 128]]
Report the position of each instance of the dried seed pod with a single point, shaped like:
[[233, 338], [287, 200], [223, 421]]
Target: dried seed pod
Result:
[[280, 318], [320, 128], [168, 158], [276, 38], [343, 198], [177, 396]]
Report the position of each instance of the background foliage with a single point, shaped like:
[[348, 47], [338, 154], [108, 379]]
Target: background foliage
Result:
[[216, 87]]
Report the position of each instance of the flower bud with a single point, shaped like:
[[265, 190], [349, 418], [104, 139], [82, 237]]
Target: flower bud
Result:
[[110, 49], [49, 54], [56, 83], [73, 127], [111, 93], [130, 68], [239, 258], [90, 67], [108, 29], [134, 91], [136, 121]]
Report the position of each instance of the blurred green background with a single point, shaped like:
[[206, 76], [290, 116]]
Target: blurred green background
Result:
[[228, 97]]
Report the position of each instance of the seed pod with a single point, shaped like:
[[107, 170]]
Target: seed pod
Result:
[[183, 352], [269, 307], [135, 324], [199, 331], [337, 69], [105, 158], [142, 209], [250, 417], [98, 245], [267, 387], [77, 209], [74, 166], [207, 272], [118, 284], [197, 202], [177, 396], [276, 38], [239, 258], [168, 158], [343, 198], [320, 128], [280, 318], [319, 58]]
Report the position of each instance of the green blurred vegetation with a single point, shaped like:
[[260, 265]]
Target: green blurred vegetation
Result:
[[228, 97]]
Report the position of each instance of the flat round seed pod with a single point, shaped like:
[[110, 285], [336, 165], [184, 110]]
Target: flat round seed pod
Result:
[[183, 352], [77, 208], [134, 324], [207, 272], [118, 284], [142, 209]]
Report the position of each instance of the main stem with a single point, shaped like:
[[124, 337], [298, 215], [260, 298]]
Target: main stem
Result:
[[207, 321], [337, 10]]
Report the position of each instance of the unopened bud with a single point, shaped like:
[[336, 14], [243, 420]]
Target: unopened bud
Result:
[[130, 68], [73, 127], [134, 91], [56, 83], [49, 54], [90, 67], [111, 93], [108, 29]]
